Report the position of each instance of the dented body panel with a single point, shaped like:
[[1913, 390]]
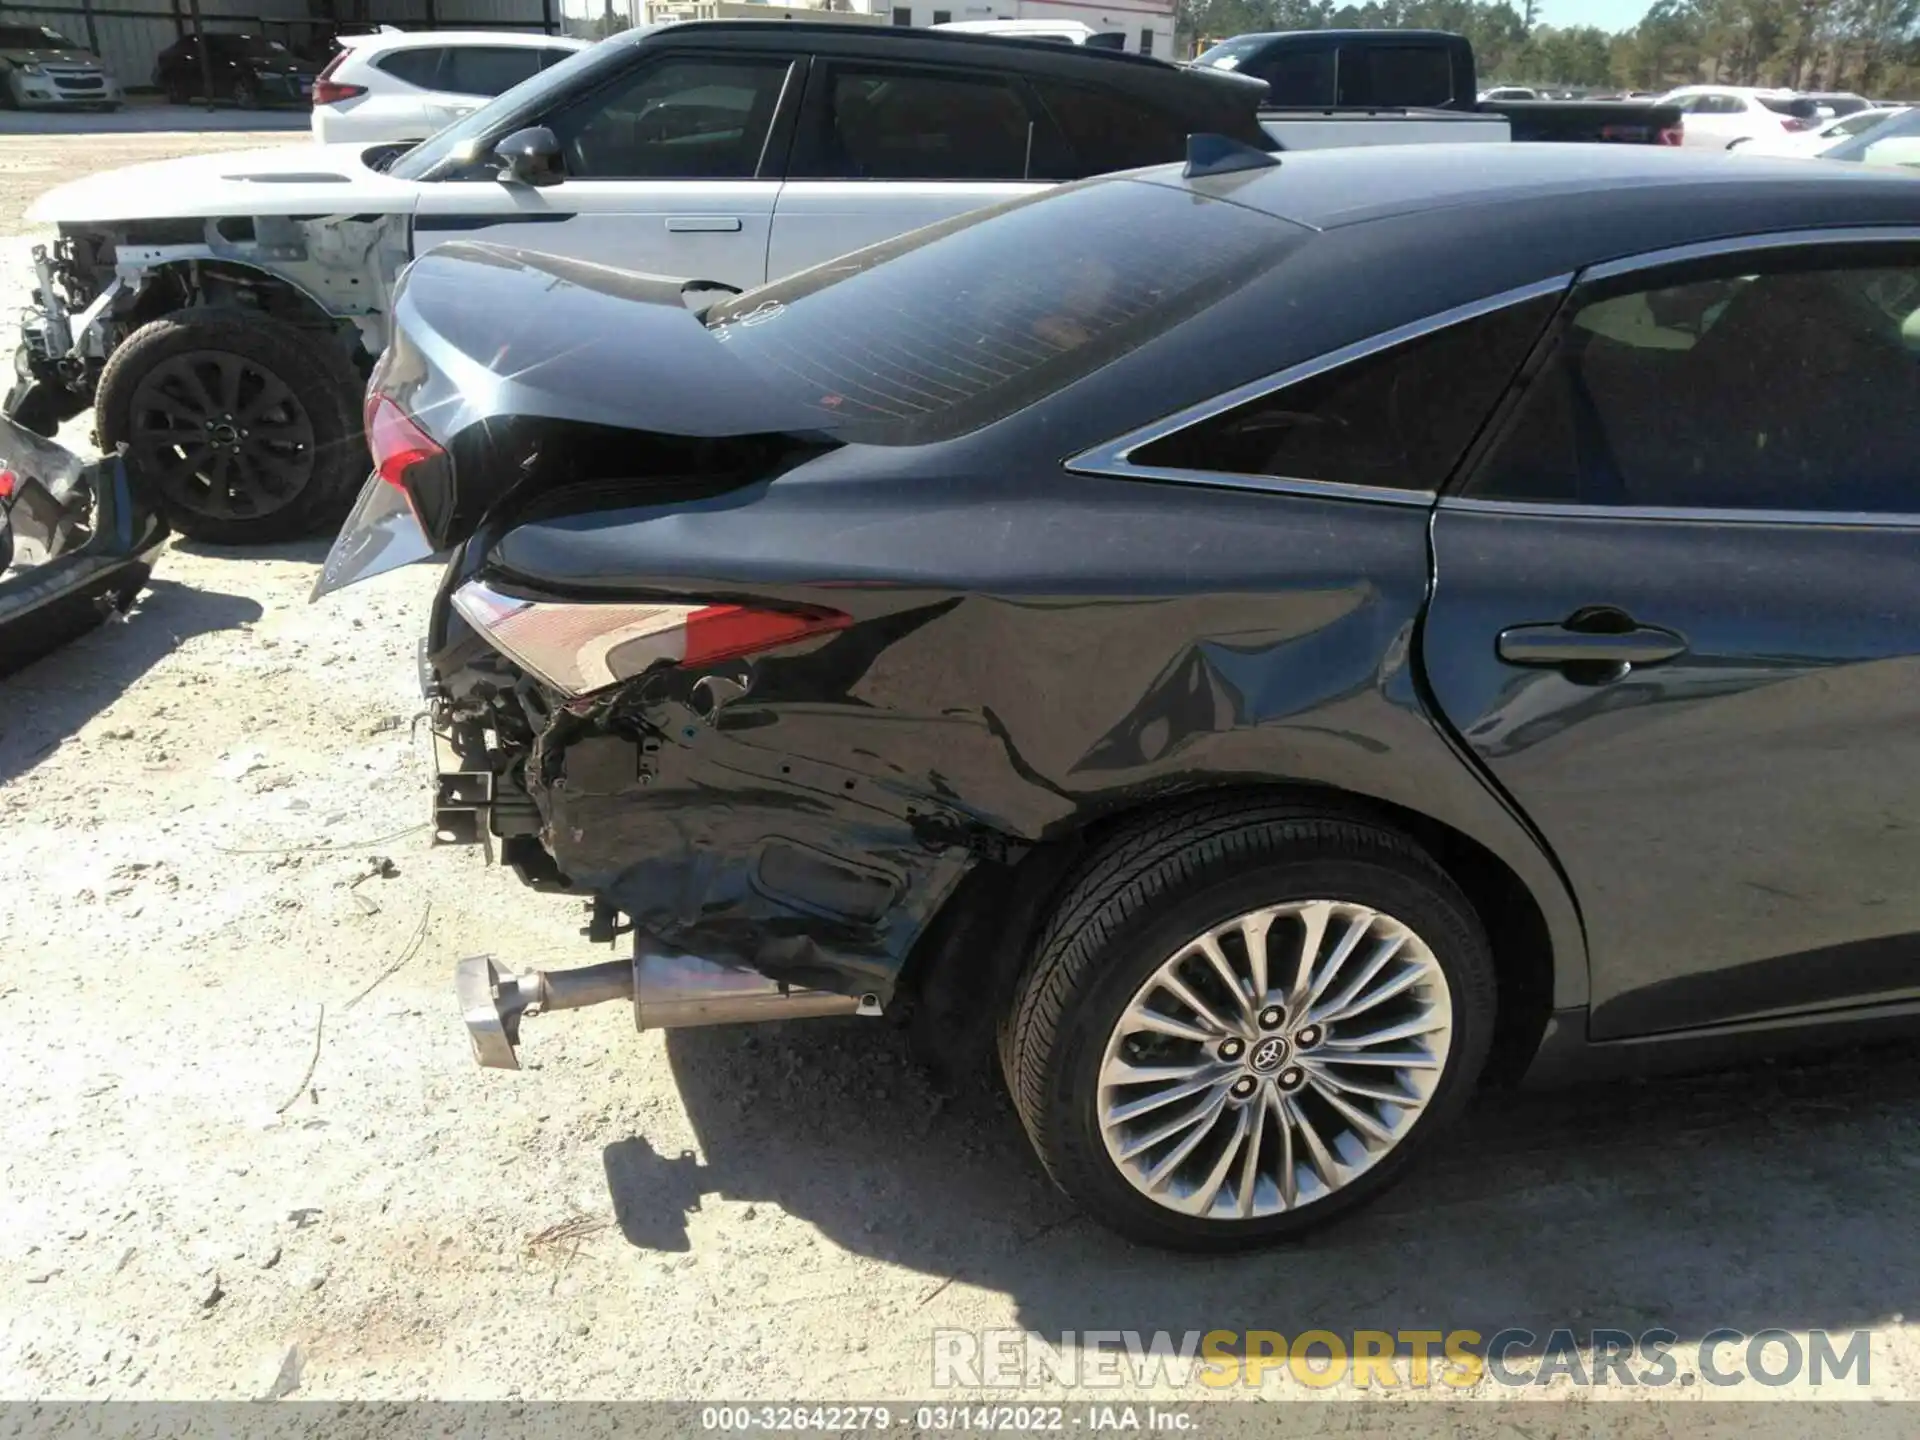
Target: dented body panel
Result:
[[991, 712], [1030, 652]]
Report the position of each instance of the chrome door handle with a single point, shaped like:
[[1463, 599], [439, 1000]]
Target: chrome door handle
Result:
[[703, 224], [1555, 645]]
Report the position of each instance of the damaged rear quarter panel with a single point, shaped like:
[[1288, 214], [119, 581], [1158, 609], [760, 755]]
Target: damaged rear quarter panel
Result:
[[1027, 655]]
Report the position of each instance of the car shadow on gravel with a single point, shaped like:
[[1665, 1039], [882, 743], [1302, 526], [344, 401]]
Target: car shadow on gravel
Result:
[[1779, 1195], [312, 551], [50, 700]]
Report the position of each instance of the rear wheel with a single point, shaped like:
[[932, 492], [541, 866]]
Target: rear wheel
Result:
[[241, 429], [1245, 1021], [178, 91], [245, 96]]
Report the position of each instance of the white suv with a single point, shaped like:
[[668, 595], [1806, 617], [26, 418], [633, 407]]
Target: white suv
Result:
[[1719, 117], [398, 86]]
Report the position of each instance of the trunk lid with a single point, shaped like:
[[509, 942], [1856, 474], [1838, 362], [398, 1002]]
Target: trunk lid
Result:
[[498, 354]]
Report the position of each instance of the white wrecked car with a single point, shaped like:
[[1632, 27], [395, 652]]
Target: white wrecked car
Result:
[[221, 312]]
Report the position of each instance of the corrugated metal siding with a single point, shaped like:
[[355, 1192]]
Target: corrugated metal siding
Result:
[[127, 45], [132, 34]]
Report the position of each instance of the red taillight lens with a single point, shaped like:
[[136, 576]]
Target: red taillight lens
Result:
[[9, 482], [727, 632], [328, 91], [397, 442], [1673, 135], [1791, 123], [578, 647]]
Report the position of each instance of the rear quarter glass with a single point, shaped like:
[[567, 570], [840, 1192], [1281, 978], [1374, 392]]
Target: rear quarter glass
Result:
[[951, 328]]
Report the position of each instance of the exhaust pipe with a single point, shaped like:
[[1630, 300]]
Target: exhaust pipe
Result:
[[668, 992]]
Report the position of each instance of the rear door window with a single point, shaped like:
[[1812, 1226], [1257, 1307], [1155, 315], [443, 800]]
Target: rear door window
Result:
[[1794, 386], [1395, 75], [1304, 78], [419, 66], [487, 70], [884, 122], [913, 341]]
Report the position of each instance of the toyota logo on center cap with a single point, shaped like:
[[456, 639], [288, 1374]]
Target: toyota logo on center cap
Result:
[[1268, 1054]]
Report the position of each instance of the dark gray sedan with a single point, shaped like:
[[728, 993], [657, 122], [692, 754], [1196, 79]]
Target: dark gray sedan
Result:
[[1278, 643]]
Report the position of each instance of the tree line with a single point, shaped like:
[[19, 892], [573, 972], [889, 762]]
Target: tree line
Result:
[[1870, 46]]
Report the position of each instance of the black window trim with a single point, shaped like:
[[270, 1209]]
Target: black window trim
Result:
[[1111, 459], [1839, 237]]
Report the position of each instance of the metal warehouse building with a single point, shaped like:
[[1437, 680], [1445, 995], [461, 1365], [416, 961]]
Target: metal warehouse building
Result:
[[127, 34]]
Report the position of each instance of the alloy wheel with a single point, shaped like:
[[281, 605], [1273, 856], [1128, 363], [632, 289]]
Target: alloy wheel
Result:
[[1274, 1059], [221, 435]]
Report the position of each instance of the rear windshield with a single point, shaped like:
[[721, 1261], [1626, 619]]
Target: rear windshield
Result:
[[1798, 106], [955, 326]]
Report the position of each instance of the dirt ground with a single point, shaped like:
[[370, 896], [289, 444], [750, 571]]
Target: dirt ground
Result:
[[242, 1115]]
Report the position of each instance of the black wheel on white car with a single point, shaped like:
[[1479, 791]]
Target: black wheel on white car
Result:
[[241, 429], [1245, 1020], [9, 97]]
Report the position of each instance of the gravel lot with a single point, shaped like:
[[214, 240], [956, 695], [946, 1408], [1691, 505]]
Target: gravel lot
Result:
[[196, 806]]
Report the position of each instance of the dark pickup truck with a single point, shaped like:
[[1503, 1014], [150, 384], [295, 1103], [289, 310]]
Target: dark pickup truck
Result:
[[1414, 85]]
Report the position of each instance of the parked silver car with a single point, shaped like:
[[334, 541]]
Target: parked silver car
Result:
[[40, 66]]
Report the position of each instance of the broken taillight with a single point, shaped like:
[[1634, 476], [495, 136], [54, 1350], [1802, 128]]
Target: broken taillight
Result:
[[579, 647], [398, 443]]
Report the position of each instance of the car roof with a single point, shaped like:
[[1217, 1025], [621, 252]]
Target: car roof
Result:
[[415, 39], [1325, 189], [908, 37], [1341, 36], [1772, 91]]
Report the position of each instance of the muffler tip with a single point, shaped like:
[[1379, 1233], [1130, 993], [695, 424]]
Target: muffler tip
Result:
[[494, 1030]]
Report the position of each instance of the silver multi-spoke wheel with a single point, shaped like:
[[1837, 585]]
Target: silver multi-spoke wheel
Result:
[[1274, 1059]]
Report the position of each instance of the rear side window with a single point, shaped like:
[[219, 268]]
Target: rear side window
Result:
[[419, 66], [1412, 75], [1399, 418], [887, 123], [1107, 133], [487, 70], [952, 327], [1794, 388]]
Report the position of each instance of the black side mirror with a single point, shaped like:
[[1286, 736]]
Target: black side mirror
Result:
[[531, 157]]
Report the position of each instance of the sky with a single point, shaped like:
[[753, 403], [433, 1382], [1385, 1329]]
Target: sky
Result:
[[1607, 14]]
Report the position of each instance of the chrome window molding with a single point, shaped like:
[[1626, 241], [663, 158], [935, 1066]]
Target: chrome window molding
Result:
[[1113, 457], [1742, 244], [1681, 514]]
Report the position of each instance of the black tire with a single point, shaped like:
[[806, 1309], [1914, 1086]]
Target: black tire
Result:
[[178, 91], [9, 100], [246, 96], [1147, 894], [322, 387]]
